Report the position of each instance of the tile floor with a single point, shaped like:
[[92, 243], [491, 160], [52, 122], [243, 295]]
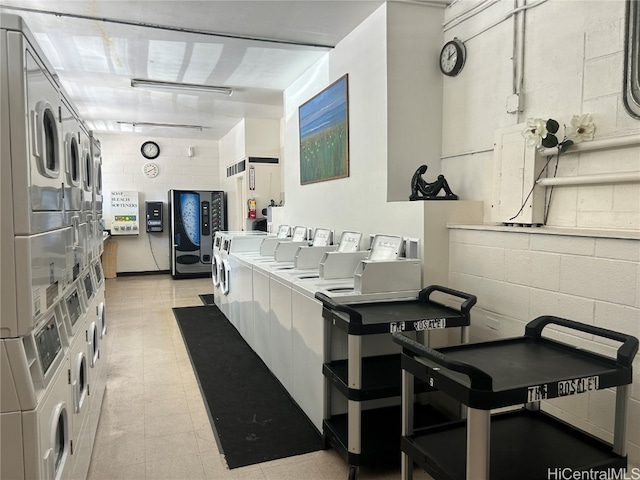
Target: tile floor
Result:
[[154, 424]]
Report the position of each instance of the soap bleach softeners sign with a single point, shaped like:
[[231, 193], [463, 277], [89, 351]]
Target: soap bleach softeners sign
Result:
[[124, 212]]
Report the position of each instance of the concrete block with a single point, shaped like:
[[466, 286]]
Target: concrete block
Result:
[[608, 280], [543, 302], [620, 249], [563, 244], [535, 269]]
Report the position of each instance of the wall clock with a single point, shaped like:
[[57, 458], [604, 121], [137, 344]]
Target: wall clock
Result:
[[151, 169], [452, 57], [150, 150]]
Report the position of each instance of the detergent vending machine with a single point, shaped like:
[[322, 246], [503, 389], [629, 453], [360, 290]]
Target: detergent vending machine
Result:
[[194, 217]]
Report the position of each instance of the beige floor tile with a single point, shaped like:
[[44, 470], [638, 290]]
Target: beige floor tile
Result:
[[154, 423], [187, 467], [134, 471], [162, 408], [206, 439], [305, 468], [126, 451], [167, 424], [170, 446]]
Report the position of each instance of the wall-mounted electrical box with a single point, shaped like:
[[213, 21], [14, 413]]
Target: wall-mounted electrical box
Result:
[[154, 216]]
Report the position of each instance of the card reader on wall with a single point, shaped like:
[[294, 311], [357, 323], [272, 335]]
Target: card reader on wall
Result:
[[154, 216]]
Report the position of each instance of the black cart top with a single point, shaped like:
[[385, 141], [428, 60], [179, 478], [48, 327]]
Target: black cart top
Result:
[[418, 314], [519, 370]]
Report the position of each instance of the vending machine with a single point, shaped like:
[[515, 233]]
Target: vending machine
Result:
[[194, 217]]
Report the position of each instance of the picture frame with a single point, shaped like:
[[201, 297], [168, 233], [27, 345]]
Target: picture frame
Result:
[[324, 134]]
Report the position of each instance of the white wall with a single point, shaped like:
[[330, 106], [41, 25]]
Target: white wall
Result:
[[358, 202], [573, 63], [414, 95], [256, 138], [122, 170]]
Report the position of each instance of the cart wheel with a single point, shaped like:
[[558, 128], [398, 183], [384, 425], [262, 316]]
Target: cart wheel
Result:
[[353, 472]]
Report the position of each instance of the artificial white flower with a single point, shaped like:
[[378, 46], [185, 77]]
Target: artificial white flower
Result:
[[582, 128], [536, 130]]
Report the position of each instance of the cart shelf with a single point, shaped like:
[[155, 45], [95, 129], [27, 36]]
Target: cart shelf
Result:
[[398, 316], [381, 378], [524, 445], [361, 435], [511, 372], [380, 433]]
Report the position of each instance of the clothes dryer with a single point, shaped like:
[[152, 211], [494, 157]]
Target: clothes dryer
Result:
[[96, 154], [31, 94], [35, 402], [43, 271], [88, 174], [81, 382]]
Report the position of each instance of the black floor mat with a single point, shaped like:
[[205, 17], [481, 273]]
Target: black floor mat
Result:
[[207, 298], [254, 418]]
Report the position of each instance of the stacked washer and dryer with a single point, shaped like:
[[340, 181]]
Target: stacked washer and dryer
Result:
[[52, 306]]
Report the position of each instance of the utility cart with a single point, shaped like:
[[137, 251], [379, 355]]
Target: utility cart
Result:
[[367, 435], [525, 442]]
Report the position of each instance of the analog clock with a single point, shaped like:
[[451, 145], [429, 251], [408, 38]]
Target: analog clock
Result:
[[452, 57], [150, 150], [151, 169]]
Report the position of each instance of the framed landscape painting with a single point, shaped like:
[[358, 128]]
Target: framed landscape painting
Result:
[[324, 134]]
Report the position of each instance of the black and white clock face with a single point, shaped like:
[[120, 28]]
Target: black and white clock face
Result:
[[452, 57], [151, 169], [150, 150]]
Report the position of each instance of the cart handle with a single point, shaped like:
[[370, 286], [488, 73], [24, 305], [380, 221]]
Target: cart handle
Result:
[[423, 295], [480, 380], [626, 352], [465, 307]]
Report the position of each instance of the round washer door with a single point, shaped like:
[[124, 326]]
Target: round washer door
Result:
[[80, 382], [56, 456], [102, 319], [216, 264], [225, 271], [93, 344], [46, 132]]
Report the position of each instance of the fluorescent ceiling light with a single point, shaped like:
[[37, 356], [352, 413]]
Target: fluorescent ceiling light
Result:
[[153, 124], [138, 82]]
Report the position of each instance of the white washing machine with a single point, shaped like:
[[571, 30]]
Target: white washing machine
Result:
[[216, 262], [81, 383], [396, 278], [96, 154], [43, 270], [34, 164], [233, 242], [98, 345], [88, 175], [35, 402], [239, 294], [72, 153]]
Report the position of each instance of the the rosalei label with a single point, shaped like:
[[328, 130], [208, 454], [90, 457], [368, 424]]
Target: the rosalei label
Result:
[[537, 393], [578, 385], [429, 324], [565, 388]]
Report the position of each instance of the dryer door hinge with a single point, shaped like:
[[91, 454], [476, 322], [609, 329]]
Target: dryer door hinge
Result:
[[88, 389], [71, 445], [60, 114], [69, 376]]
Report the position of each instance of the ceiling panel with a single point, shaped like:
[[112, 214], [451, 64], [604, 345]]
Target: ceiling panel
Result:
[[258, 48]]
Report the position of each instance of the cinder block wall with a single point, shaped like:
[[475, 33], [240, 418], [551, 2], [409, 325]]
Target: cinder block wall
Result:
[[519, 275]]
